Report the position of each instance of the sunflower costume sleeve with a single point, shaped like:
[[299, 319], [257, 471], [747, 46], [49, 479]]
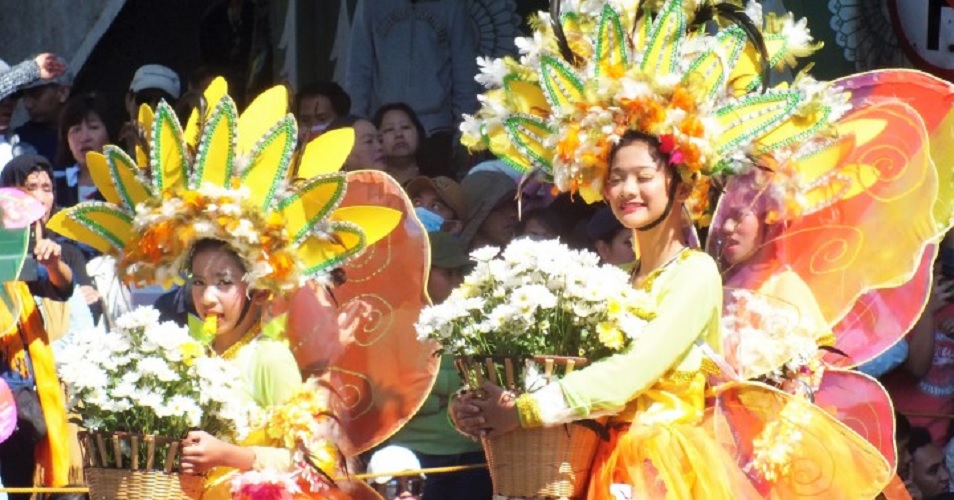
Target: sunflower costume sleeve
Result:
[[593, 71]]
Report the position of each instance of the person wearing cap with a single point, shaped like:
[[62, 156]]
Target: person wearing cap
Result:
[[611, 241], [440, 203], [150, 84], [396, 460], [43, 66], [429, 433], [492, 210], [43, 99]]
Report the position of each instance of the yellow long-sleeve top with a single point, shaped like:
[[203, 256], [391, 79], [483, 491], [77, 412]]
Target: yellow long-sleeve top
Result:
[[661, 376]]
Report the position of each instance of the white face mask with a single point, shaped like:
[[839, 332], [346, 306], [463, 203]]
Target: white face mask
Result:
[[319, 127]]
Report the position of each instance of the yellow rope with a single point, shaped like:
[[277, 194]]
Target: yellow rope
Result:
[[417, 472], [44, 490]]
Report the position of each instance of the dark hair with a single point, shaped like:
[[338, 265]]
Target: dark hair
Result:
[[17, 170], [340, 100], [652, 141], [547, 217], [902, 426], [400, 106], [207, 244], [77, 110], [345, 121], [920, 437]]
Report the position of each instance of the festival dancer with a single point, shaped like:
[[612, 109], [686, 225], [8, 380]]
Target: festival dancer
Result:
[[592, 78], [219, 202]]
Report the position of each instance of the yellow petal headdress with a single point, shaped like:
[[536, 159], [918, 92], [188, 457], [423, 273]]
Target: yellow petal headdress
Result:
[[225, 177], [594, 70]]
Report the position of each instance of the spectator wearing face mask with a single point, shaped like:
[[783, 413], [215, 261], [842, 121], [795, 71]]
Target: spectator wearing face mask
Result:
[[317, 105], [440, 203]]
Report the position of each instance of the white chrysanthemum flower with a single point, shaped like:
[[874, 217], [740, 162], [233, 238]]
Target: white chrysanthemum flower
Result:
[[492, 72]]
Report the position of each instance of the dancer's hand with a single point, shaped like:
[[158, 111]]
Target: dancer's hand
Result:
[[487, 412], [201, 452]]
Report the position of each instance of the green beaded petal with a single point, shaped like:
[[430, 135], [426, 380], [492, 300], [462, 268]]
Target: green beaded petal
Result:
[[338, 227], [285, 132], [611, 42], [561, 85], [222, 120], [117, 160], [89, 215], [175, 171], [314, 213], [755, 115], [665, 40], [527, 133]]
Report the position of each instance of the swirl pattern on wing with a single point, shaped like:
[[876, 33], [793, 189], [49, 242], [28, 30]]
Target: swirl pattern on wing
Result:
[[397, 369], [790, 448]]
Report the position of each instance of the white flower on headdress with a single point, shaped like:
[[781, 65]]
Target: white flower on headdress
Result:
[[492, 72]]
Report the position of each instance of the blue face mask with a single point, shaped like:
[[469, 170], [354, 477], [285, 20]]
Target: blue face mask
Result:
[[432, 222]]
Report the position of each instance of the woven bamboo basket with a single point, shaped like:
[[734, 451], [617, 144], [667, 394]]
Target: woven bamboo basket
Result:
[[114, 471], [552, 462]]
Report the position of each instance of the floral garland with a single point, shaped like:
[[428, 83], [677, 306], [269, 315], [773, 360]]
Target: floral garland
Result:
[[168, 227], [305, 425]]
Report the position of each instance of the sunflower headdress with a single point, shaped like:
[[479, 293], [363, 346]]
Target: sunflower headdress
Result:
[[225, 177], [594, 70]]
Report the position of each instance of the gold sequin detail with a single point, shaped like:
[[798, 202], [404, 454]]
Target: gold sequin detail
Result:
[[681, 377], [710, 367], [826, 340], [529, 412], [651, 277], [249, 336]]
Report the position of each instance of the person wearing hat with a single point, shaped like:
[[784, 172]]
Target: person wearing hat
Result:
[[42, 67], [608, 237], [429, 433], [492, 215], [150, 84], [397, 460], [440, 203], [43, 100]]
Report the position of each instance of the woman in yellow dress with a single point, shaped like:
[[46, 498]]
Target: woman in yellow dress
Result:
[[643, 104], [219, 202], [654, 392]]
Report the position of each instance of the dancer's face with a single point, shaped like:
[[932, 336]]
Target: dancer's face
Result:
[[218, 287], [637, 187]]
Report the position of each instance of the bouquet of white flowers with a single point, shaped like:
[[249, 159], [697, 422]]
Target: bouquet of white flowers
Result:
[[147, 377], [538, 298]]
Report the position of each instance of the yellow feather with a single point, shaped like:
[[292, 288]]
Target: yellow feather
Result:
[[264, 112], [327, 153], [527, 98], [377, 222], [263, 174], [212, 95], [66, 226], [145, 118], [316, 198], [317, 252]]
